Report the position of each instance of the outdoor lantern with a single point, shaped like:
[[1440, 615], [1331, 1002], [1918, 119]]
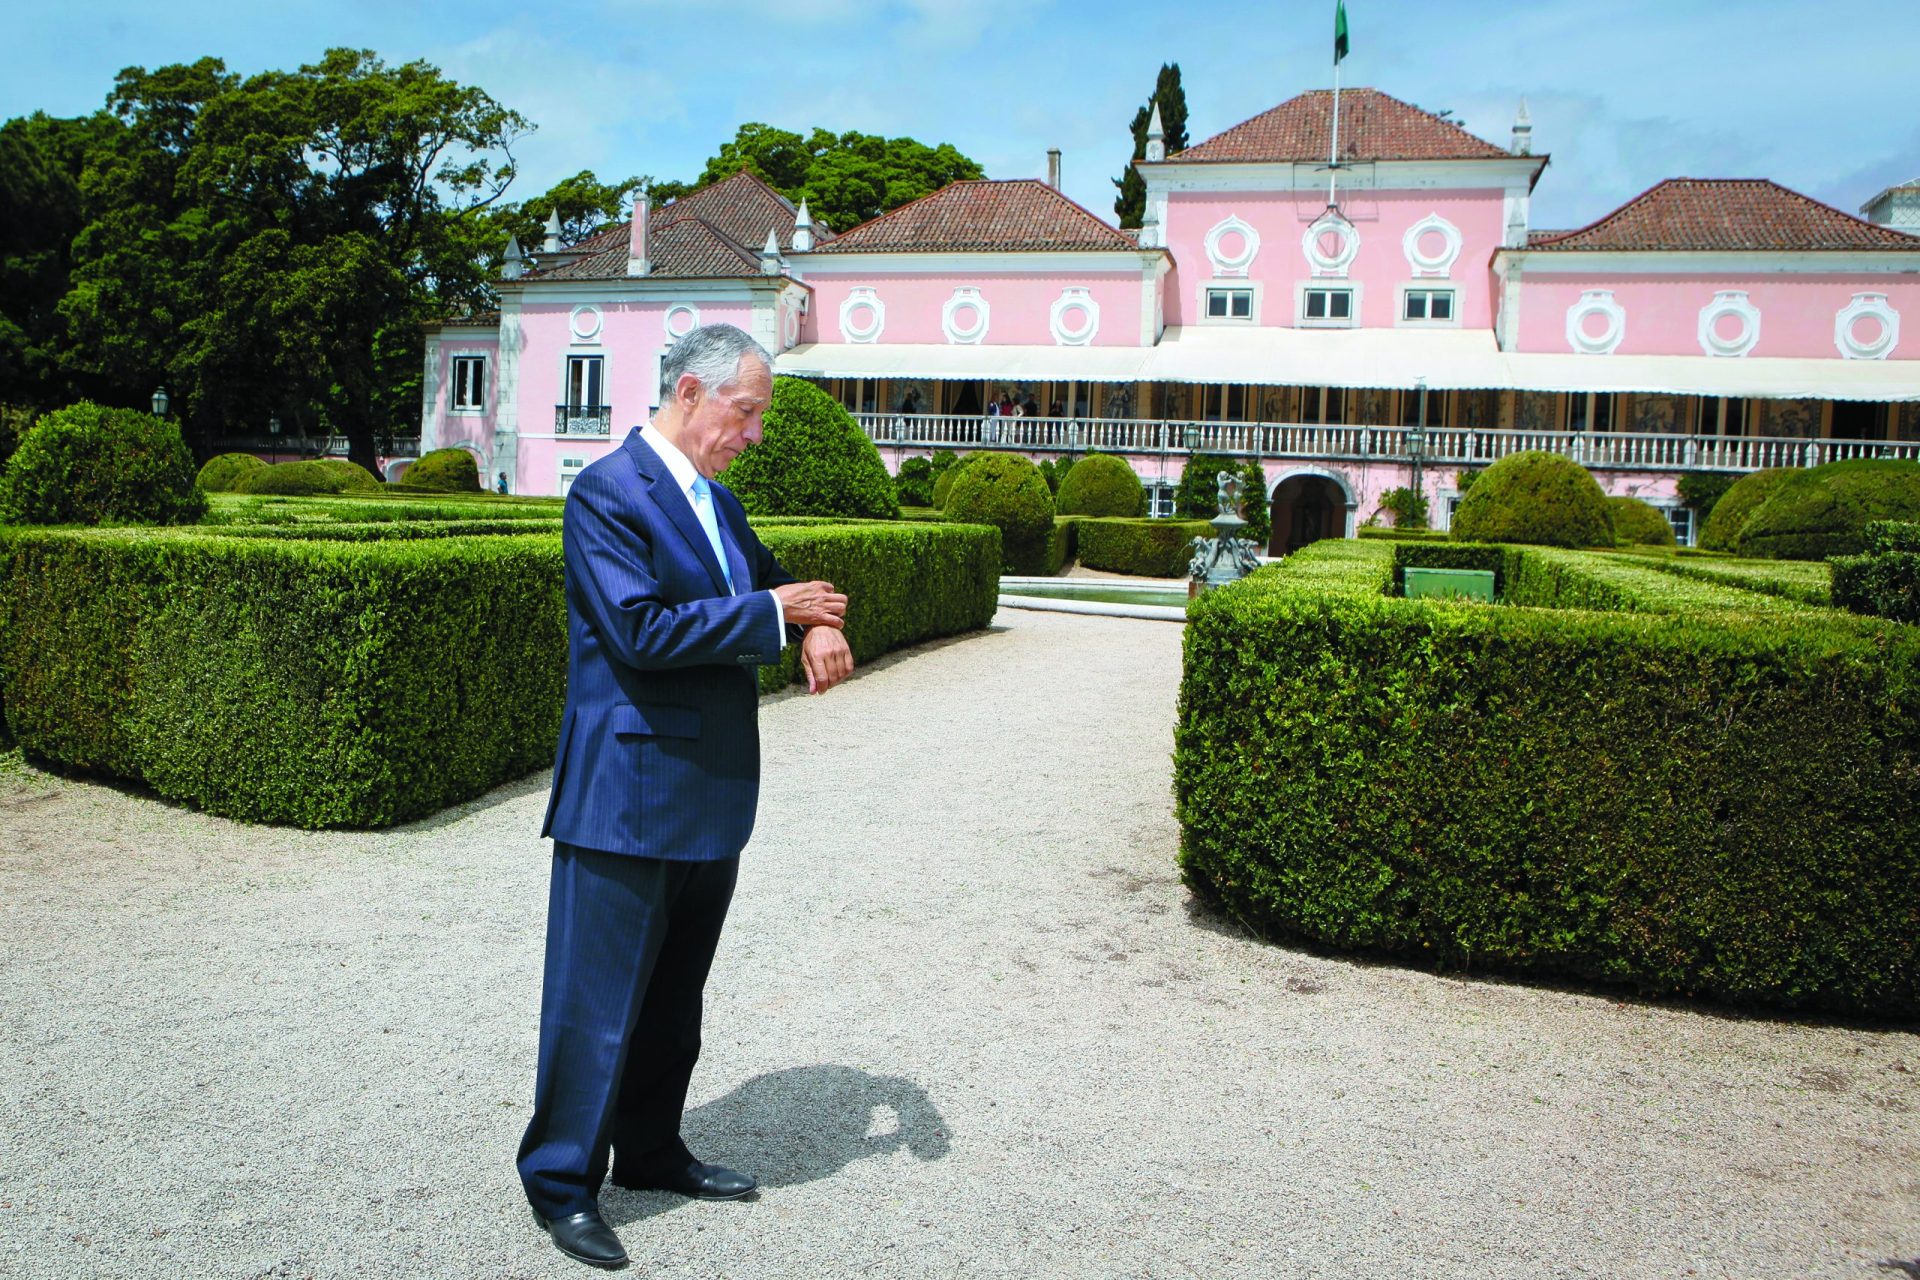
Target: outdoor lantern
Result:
[[159, 402], [273, 425], [1193, 435]]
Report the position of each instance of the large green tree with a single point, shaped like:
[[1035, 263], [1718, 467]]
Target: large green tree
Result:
[[41, 163], [1131, 204], [270, 246], [846, 178]]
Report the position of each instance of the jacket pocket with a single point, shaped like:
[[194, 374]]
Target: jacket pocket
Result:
[[654, 719]]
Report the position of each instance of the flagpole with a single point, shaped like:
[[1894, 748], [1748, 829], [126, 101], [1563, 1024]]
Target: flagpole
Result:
[[1333, 147], [1333, 150]]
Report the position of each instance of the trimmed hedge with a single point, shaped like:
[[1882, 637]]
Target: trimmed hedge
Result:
[[1101, 484], [1731, 509], [1885, 581], [1063, 545], [1639, 523], [1146, 548], [1807, 581], [309, 477], [224, 472], [944, 477], [1824, 511], [308, 682], [1389, 533], [1715, 803], [88, 464], [443, 471], [814, 460], [1005, 490], [235, 510], [913, 486], [1535, 497]]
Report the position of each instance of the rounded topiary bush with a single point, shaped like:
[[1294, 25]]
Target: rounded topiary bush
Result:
[[1535, 497], [913, 486], [813, 461], [1006, 491], [88, 464], [443, 471], [1640, 524], [1101, 484], [311, 478], [1824, 511], [944, 477], [227, 472], [1733, 508]]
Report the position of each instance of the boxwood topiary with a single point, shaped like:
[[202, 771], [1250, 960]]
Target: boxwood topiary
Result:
[[88, 464], [1101, 484], [814, 461], [1006, 491], [1732, 508], [914, 483], [1637, 523], [443, 471], [1535, 497], [1825, 511], [944, 477], [226, 472], [314, 476]]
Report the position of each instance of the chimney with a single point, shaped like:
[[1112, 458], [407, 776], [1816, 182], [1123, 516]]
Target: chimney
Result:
[[1523, 131], [513, 265], [637, 264], [770, 255], [552, 243], [803, 229], [1053, 167], [1156, 137]]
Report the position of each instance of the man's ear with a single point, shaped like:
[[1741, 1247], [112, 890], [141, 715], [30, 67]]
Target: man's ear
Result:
[[687, 392]]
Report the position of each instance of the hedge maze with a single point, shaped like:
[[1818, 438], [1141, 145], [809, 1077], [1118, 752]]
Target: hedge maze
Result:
[[1624, 773]]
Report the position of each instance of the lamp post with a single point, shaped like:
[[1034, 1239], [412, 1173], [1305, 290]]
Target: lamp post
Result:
[[160, 402], [1417, 443], [273, 430]]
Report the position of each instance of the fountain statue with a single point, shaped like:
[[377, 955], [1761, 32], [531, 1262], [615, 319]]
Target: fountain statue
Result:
[[1223, 558]]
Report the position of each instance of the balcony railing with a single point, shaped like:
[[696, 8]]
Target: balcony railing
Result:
[[582, 420], [1620, 450], [291, 447]]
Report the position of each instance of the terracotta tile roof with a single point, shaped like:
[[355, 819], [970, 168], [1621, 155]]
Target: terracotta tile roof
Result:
[[715, 232], [1016, 214], [1373, 126], [1720, 214], [472, 320]]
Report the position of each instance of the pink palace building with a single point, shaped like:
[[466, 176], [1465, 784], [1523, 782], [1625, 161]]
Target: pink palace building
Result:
[[1414, 326]]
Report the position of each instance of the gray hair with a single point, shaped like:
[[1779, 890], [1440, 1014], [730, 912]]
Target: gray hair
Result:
[[711, 354]]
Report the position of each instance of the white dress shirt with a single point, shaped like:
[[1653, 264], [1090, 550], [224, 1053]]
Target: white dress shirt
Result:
[[684, 474]]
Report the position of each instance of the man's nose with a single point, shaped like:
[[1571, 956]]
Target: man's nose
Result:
[[754, 432]]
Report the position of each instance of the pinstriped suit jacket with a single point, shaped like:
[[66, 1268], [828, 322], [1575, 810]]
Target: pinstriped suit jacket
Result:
[[659, 753]]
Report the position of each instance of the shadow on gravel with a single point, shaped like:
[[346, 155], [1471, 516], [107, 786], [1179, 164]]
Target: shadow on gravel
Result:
[[1908, 1269], [800, 1125]]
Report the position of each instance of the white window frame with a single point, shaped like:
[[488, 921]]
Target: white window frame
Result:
[[1685, 536], [1248, 287], [1400, 319], [569, 470], [1304, 287], [454, 360], [566, 379]]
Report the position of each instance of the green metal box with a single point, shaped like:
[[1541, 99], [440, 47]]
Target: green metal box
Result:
[[1463, 584]]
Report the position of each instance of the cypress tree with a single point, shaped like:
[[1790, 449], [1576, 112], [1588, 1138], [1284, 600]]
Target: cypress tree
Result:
[[1131, 204]]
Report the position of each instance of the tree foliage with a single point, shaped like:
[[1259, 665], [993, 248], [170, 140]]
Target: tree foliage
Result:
[[845, 178], [1131, 204]]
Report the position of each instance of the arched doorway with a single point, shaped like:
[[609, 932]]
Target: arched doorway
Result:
[[1306, 508]]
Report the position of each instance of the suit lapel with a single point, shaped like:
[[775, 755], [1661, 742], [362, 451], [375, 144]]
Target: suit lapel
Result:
[[668, 496]]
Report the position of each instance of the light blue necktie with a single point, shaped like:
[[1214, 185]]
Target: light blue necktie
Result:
[[703, 507]]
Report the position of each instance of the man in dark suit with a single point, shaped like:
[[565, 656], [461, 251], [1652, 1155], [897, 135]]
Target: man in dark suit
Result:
[[672, 604]]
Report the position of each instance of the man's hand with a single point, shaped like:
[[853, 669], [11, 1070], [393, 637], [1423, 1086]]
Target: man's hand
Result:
[[824, 654], [812, 604]]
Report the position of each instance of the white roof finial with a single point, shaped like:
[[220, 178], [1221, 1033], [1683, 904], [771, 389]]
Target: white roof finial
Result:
[[770, 255], [552, 242], [1156, 137], [1522, 131], [513, 265], [803, 229]]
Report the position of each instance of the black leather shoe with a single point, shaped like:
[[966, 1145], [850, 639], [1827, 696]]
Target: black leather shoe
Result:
[[585, 1237], [700, 1181]]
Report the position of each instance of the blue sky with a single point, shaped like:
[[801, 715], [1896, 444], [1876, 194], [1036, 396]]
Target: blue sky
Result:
[[1822, 98]]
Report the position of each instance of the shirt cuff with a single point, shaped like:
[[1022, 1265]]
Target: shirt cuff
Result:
[[779, 615]]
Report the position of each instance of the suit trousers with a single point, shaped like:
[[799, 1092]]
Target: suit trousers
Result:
[[629, 944]]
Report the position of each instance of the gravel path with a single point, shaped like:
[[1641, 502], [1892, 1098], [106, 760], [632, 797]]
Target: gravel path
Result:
[[965, 1022]]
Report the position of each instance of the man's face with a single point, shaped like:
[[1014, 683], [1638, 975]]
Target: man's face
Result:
[[720, 423]]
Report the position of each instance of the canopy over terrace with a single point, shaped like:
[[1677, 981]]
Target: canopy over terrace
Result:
[[1462, 360]]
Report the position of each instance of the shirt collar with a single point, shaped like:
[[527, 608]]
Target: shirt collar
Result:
[[684, 472]]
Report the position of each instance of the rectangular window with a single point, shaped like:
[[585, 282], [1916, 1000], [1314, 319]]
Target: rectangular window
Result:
[[1325, 405], [1160, 501], [570, 469], [1682, 520], [1230, 304], [1410, 408], [584, 382], [1590, 411], [1428, 304], [1328, 304], [1716, 416], [470, 382]]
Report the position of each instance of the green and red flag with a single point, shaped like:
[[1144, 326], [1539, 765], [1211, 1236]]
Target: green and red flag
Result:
[[1339, 31]]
